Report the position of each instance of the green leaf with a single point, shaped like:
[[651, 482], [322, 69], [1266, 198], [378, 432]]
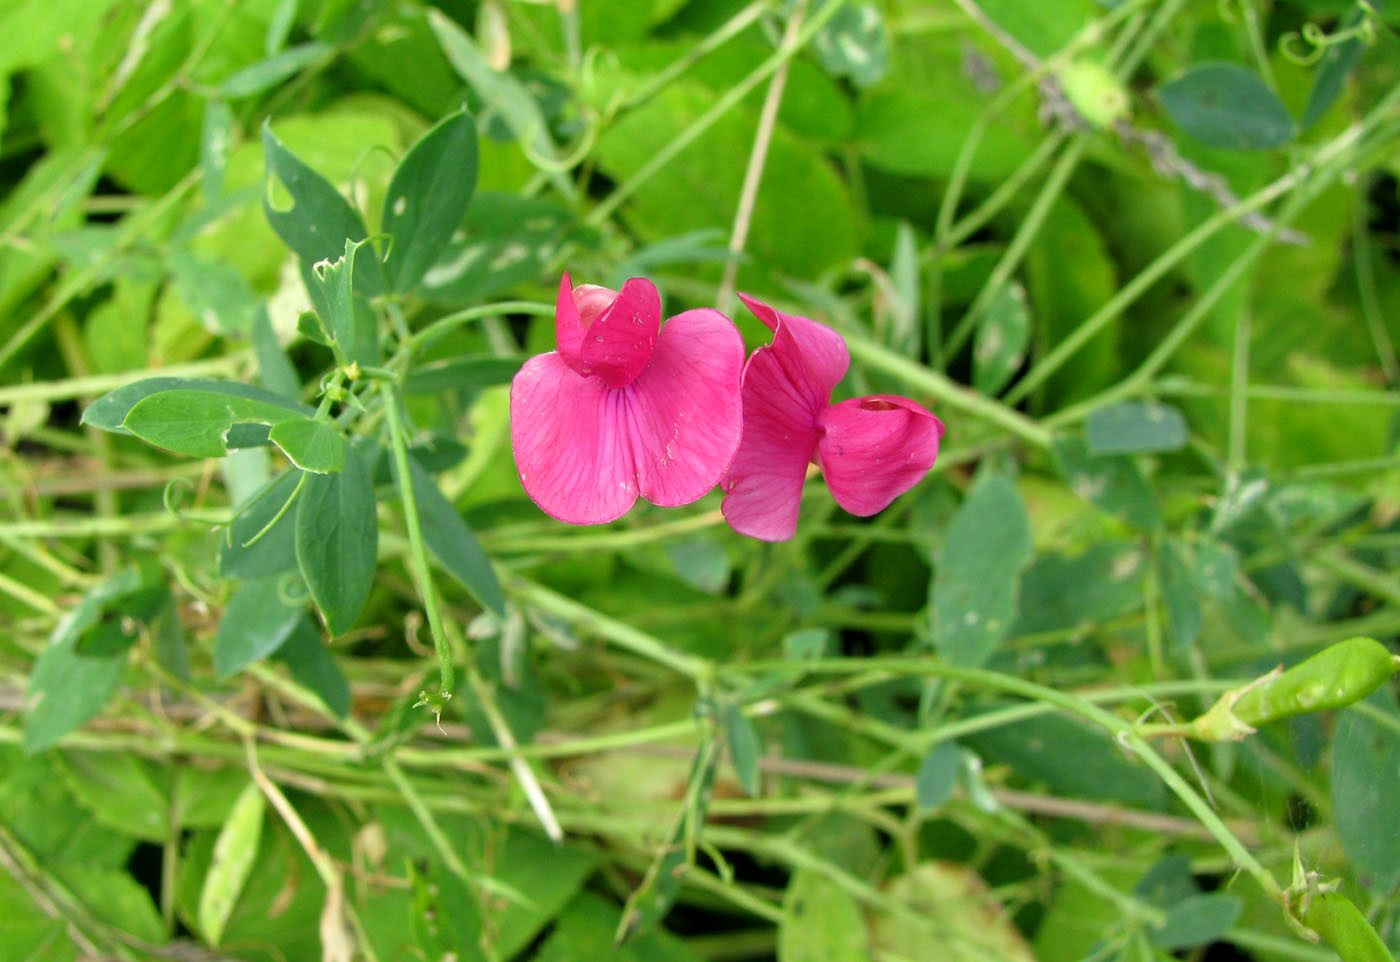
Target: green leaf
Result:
[[806, 643], [115, 898], [266, 74], [975, 582], [275, 551], [307, 656], [505, 240], [215, 293], [234, 854], [937, 775], [462, 374], [198, 423], [452, 542], [1112, 481], [1224, 105], [1365, 784], [331, 286], [259, 619], [906, 309], [854, 44], [215, 141], [120, 790], [821, 922], [337, 539], [1337, 64], [428, 198], [109, 411], [68, 687], [744, 747], [1003, 332], [548, 875], [319, 222], [1131, 427], [1179, 591], [1197, 920], [275, 369], [652, 899], [316, 446]]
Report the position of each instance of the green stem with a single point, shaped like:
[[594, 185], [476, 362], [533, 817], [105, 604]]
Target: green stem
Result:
[[444, 325], [418, 552]]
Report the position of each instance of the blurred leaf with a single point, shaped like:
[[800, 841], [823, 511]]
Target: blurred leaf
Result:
[[1003, 332], [505, 240], [1365, 780], [1071, 758], [937, 776], [1044, 28], [1113, 482], [948, 903], [1217, 565], [115, 898], [1338, 62], [806, 643], [316, 446], [428, 198], [1060, 593], [821, 922], [67, 687], [446, 915], [204, 797], [275, 551], [1131, 427], [1179, 592], [853, 44], [198, 423], [906, 309], [276, 69], [309, 659], [1224, 105], [259, 619], [275, 369], [452, 542], [234, 854], [529, 863], [337, 539], [744, 747], [319, 224], [701, 563], [651, 900], [1197, 920], [215, 142], [975, 582], [462, 374], [120, 791], [109, 411]]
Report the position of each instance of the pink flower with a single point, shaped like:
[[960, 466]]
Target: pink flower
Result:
[[870, 449], [626, 406]]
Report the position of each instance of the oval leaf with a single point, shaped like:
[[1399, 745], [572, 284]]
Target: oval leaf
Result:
[[337, 539], [274, 551], [234, 854], [109, 411], [197, 423], [1224, 105], [428, 198], [305, 654], [259, 619], [320, 220], [1135, 426], [312, 445]]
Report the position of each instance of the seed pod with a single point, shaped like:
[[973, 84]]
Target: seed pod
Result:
[[1333, 916], [1335, 677]]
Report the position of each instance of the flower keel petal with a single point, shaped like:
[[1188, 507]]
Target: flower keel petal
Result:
[[571, 444], [873, 449], [685, 408]]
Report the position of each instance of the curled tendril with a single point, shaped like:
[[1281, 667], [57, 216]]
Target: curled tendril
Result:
[[602, 61], [291, 591], [173, 498], [558, 165], [1318, 42]]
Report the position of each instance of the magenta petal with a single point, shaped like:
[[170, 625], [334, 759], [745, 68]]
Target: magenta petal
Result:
[[815, 356], [763, 489], [686, 414], [619, 343], [571, 443], [874, 449], [568, 325]]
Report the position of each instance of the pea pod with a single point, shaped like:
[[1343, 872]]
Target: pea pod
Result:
[[1333, 916], [1333, 678]]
